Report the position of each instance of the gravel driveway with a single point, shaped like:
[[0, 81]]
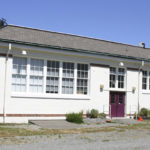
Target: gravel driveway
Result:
[[133, 139]]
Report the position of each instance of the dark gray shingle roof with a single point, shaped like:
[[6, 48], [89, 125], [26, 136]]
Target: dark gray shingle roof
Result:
[[30, 35]]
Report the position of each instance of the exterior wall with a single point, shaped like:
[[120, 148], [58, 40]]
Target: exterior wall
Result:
[[132, 96], [144, 100], [21, 108], [100, 98], [2, 76]]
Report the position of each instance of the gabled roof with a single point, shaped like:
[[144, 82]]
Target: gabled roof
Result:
[[73, 42]]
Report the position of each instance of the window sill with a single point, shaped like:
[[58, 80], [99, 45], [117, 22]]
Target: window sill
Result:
[[117, 89], [145, 91], [50, 96]]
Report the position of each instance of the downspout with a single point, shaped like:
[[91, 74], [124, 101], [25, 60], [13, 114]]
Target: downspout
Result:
[[139, 85], [5, 83]]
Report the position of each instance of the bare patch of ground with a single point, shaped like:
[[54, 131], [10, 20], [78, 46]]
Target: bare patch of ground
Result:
[[121, 136]]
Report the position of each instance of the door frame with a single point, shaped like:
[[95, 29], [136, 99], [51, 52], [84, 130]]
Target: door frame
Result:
[[123, 92]]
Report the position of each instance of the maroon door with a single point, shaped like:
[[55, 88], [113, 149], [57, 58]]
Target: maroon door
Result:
[[117, 103]]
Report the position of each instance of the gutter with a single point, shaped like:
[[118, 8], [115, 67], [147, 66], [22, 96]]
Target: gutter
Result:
[[5, 83], [139, 71], [74, 50]]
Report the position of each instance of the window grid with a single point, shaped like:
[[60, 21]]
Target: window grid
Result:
[[36, 75], [82, 79], [67, 78], [45, 76], [149, 80], [112, 77], [121, 72], [117, 78], [19, 72], [36, 84], [52, 79], [144, 80]]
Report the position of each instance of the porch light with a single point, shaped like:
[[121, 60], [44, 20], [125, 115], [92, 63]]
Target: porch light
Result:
[[24, 52], [133, 88], [121, 64], [101, 86]]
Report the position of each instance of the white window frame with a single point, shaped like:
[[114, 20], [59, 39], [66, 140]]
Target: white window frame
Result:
[[36, 76], [46, 61], [147, 80], [116, 88], [20, 74], [68, 78], [83, 79], [58, 95]]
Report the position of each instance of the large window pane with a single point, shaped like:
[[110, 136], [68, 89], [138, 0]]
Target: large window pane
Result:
[[82, 79], [19, 74], [121, 72], [36, 67], [144, 80], [68, 78], [36, 84], [117, 77], [67, 86], [112, 81], [52, 79], [120, 81], [36, 75]]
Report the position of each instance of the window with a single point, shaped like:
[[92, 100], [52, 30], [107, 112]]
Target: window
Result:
[[112, 77], [36, 75], [149, 80], [68, 78], [121, 98], [49, 77], [117, 77], [112, 98], [82, 79], [121, 78], [19, 73], [144, 80], [52, 79]]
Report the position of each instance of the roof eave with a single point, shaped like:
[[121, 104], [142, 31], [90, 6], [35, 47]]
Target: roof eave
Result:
[[74, 50]]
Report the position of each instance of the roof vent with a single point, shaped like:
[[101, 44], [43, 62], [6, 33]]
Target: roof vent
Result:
[[142, 44], [3, 23]]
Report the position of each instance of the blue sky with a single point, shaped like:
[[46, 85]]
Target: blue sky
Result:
[[124, 21]]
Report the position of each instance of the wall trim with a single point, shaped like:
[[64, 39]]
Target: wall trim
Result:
[[45, 115], [133, 69], [4, 55], [35, 115], [1, 115], [100, 65]]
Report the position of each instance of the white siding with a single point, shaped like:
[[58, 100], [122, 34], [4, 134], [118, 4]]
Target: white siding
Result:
[[98, 99]]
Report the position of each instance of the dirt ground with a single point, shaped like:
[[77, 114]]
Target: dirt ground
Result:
[[120, 137]]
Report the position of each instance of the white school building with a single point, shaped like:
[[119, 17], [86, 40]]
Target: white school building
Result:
[[44, 75]]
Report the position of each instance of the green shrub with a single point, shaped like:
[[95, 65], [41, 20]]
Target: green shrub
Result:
[[143, 112], [102, 115], [74, 117], [94, 113]]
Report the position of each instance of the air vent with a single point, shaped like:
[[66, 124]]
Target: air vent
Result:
[[142, 44]]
